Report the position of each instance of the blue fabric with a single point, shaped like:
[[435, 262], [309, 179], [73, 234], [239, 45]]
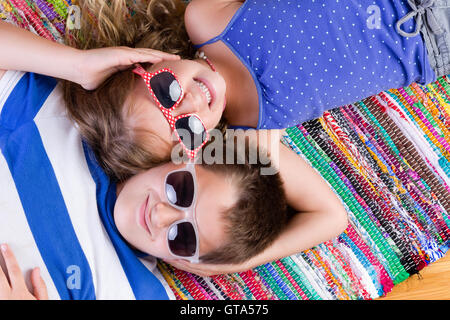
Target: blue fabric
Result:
[[38, 188], [43, 204], [310, 56], [143, 282], [24, 102]]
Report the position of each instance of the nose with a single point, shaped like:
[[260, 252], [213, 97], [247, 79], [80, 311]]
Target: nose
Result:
[[190, 103], [163, 215]]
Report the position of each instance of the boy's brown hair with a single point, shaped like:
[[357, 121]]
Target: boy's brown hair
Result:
[[260, 213]]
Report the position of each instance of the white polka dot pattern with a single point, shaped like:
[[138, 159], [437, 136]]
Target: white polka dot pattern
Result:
[[309, 56]]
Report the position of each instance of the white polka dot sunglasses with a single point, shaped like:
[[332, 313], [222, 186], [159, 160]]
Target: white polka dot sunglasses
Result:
[[167, 92]]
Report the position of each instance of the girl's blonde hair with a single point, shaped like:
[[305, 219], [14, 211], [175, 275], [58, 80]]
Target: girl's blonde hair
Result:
[[123, 150], [156, 24]]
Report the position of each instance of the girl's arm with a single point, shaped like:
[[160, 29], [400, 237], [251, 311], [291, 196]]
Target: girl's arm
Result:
[[22, 50], [25, 51], [205, 19], [320, 214]]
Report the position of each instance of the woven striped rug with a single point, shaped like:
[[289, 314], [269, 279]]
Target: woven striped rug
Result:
[[388, 159]]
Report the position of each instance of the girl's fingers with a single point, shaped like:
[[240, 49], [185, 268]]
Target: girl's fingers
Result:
[[39, 287], [157, 53], [137, 57], [146, 55], [128, 58], [14, 273]]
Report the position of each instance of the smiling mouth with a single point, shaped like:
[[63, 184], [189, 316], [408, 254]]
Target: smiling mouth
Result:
[[204, 88], [143, 217]]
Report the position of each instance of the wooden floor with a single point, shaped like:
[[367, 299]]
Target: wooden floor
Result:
[[432, 284]]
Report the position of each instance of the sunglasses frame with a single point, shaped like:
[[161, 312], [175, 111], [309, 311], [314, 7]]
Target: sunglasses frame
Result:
[[190, 213], [167, 112]]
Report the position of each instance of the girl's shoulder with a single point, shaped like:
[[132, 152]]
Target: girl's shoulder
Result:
[[206, 19]]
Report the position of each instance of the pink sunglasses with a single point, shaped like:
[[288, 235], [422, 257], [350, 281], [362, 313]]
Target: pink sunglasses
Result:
[[166, 90]]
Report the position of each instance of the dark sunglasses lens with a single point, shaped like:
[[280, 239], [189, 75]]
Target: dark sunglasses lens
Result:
[[182, 239], [166, 89], [191, 131], [180, 188]]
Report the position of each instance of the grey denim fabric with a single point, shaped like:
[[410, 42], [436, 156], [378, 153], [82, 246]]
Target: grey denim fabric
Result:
[[433, 22]]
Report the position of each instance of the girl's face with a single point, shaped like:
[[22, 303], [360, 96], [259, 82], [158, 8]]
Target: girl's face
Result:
[[204, 95], [143, 214]]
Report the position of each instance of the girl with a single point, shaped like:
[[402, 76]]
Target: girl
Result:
[[267, 65]]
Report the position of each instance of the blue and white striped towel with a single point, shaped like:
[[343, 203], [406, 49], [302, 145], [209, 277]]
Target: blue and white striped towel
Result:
[[56, 203]]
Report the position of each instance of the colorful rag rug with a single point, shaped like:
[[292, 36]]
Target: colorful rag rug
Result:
[[387, 158]]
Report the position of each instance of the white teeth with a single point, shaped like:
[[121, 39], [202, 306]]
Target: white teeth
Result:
[[205, 90]]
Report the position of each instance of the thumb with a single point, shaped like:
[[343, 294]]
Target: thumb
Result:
[[39, 287]]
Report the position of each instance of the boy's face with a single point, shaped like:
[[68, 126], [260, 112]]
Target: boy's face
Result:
[[143, 214], [195, 77]]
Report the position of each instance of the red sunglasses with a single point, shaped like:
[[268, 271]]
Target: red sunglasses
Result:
[[166, 90]]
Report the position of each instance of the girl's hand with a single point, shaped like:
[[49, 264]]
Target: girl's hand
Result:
[[208, 269], [15, 288], [96, 65]]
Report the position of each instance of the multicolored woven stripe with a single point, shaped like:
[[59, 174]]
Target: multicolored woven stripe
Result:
[[386, 157], [46, 18]]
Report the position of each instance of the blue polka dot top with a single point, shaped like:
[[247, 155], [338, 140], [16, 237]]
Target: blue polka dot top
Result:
[[310, 56]]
